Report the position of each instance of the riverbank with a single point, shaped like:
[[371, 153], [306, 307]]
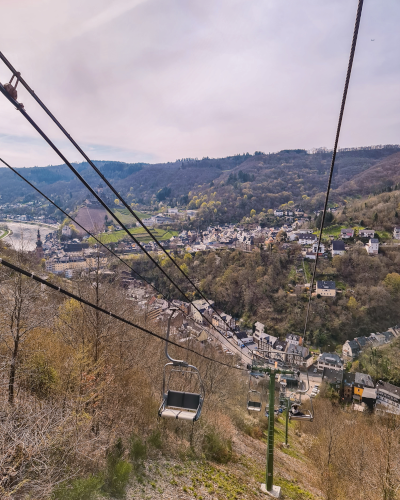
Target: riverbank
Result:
[[32, 223]]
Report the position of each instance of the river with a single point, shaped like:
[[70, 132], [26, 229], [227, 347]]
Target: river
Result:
[[25, 235]]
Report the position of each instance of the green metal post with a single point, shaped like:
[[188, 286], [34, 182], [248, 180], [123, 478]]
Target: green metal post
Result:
[[287, 421], [270, 444]]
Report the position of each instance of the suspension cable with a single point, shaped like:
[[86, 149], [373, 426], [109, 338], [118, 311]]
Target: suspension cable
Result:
[[21, 109], [96, 239], [108, 313], [339, 126], [105, 180]]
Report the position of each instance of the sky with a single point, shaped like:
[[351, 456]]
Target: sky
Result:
[[158, 80]]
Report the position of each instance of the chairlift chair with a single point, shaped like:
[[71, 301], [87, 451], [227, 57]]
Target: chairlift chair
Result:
[[254, 402], [294, 412], [180, 405]]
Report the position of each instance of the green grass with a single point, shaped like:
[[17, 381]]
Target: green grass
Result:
[[138, 232], [384, 235], [291, 490], [335, 230], [4, 234], [125, 217]]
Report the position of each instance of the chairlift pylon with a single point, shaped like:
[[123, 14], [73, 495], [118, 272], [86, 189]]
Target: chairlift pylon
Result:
[[179, 404]]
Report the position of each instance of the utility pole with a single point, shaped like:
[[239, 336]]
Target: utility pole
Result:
[[268, 487]]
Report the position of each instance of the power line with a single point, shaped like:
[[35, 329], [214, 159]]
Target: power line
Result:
[[344, 97], [105, 180], [108, 313], [93, 236], [21, 109]]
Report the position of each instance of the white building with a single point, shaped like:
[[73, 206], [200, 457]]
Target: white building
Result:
[[388, 395], [338, 248], [372, 247], [396, 233], [66, 231], [367, 233], [326, 288], [329, 360]]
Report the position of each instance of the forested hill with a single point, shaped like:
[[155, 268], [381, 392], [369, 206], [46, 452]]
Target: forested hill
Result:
[[241, 182]]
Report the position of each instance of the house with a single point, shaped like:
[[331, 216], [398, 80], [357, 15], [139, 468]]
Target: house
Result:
[[372, 247], [307, 238], [333, 377], [266, 344], [367, 233], [260, 337], [296, 354], [326, 288], [347, 386], [388, 395], [292, 338], [329, 360], [199, 308], [66, 231], [346, 233], [321, 248], [278, 350], [259, 327], [396, 233], [351, 349], [338, 248], [278, 213]]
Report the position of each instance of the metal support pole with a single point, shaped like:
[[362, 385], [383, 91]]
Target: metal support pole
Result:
[[287, 422], [270, 443]]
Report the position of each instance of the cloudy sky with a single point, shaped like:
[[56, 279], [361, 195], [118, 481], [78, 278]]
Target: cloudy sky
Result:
[[157, 80]]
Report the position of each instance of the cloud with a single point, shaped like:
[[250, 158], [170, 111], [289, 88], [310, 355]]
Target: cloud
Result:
[[114, 11], [155, 80]]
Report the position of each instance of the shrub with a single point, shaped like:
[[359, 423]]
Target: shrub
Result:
[[217, 448], [117, 472], [138, 449], [155, 439], [79, 489]]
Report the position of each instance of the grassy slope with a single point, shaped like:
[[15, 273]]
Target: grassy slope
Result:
[[189, 479], [139, 233], [126, 217]]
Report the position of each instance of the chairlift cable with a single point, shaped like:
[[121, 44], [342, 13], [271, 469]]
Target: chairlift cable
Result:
[[342, 107], [108, 313], [20, 108], [54, 119], [93, 236]]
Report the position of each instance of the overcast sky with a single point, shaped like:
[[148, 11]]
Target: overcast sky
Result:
[[157, 80]]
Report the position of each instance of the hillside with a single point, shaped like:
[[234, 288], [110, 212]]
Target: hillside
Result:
[[239, 183], [383, 174]]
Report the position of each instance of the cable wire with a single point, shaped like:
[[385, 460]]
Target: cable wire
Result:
[[21, 109], [339, 126], [127, 206], [95, 238], [108, 313]]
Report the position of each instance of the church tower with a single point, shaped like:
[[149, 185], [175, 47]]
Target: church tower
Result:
[[39, 246]]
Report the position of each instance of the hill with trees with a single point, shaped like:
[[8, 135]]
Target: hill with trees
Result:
[[225, 189]]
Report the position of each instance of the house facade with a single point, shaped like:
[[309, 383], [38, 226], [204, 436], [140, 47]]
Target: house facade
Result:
[[351, 349], [338, 248], [326, 288], [388, 395], [307, 238], [366, 233], [329, 360], [372, 246], [396, 233], [346, 233]]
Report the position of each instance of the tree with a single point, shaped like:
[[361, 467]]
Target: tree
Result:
[[252, 213], [23, 309], [392, 281], [116, 201]]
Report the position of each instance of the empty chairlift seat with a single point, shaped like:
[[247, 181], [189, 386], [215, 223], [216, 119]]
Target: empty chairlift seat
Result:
[[254, 402], [181, 405]]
